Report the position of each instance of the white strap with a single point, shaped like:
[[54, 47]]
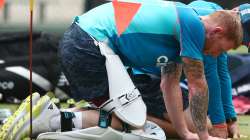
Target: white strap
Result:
[[120, 101]]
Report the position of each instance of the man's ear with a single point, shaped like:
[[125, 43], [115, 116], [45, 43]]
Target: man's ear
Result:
[[218, 30]]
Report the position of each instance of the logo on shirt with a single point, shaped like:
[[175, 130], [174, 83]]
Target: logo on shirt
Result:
[[245, 11], [161, 61]]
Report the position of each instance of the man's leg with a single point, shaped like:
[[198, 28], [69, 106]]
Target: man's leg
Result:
[[90, 118], [165, 125], [47, 118], [152, 96], [83, 65]]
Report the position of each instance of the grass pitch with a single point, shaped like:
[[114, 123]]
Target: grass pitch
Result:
[[244, 121]]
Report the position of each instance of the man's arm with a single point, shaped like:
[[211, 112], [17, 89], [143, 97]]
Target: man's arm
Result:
[[226, 86], [194, 71], [215, 107], [173, 101], [226, 94]]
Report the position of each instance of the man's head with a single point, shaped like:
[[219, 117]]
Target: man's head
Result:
[[244, 12], [223, 32]]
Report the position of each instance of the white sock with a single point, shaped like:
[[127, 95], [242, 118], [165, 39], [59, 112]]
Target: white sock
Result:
[[55, 122], [77, 120]]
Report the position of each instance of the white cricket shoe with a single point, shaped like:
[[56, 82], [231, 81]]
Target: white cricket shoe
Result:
[[23, 109], [43, 112]]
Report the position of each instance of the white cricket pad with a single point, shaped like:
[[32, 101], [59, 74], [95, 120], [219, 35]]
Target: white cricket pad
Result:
[[129, 105]]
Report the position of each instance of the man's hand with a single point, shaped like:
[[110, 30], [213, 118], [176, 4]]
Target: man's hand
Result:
[[191, 136], [233, 130], [194, 71], [216, 138], [219, 130]]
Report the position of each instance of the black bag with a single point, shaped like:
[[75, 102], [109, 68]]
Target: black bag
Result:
[[14, 64]]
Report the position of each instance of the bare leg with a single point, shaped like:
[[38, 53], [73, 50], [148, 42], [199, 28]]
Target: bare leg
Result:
[[91, 117]]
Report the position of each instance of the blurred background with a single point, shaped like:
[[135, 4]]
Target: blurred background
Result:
[[51, 19], [56, 15]]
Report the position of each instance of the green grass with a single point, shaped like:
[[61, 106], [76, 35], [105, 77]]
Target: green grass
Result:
[[244, 124], [12, 107], [244, 121]]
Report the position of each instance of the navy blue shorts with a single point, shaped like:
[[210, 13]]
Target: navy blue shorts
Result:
[[83, 65], [84, 68], [149, 88]]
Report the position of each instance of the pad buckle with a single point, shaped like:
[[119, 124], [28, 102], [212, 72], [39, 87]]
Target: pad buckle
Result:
[[105, 119], [120, 101]]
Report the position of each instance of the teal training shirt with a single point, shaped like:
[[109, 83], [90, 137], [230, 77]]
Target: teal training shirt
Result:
[[160, 28], [204, 8]]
